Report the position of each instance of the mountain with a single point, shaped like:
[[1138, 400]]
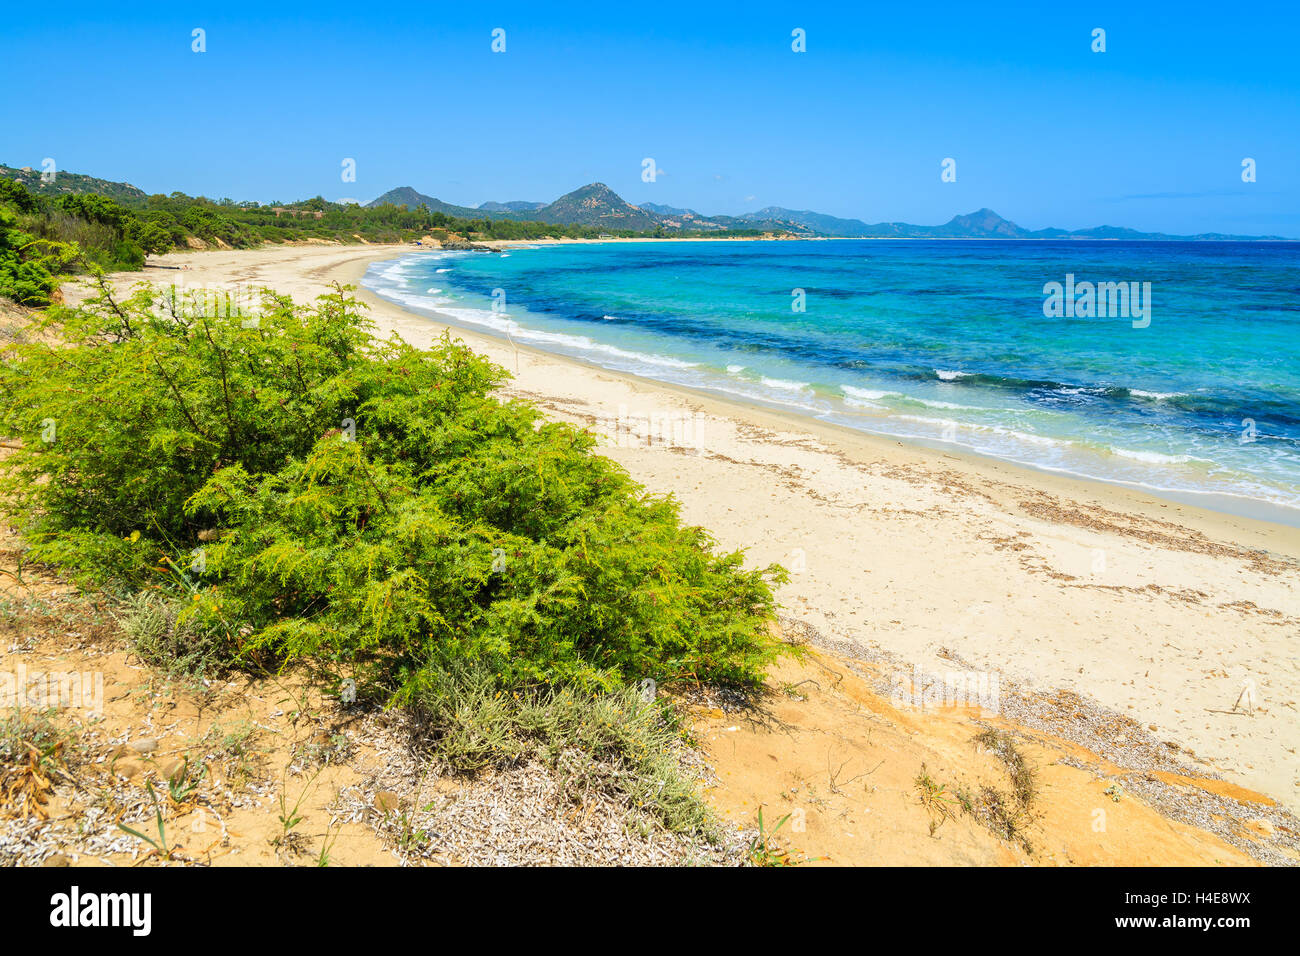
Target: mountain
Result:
[[982, 224], [674, 217], [820, 223], [597, 205], [661, 210], [69, 183], [411, 198], [593, 205], [515, 206]]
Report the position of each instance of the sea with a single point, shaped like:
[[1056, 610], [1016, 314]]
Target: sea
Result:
[[1172, 367]]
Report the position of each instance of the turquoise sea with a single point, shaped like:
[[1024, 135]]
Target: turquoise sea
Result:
[[939, 342]]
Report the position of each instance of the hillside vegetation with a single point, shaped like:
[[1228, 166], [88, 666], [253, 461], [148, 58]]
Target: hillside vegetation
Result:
[[46, 231]]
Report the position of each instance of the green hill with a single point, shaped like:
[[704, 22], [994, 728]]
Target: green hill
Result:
[[71, 184], [597, 205], [594, 205], [411, 198]]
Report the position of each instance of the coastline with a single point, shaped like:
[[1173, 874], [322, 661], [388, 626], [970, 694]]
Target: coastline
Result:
[[1227, 504], [1155, 608]]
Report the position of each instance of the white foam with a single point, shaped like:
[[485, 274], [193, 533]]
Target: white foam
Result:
[[872, 394], [864, 393], [502, 323], [862, 403], [786, 385], [1157, 396], [1150, 457], [767, 399]]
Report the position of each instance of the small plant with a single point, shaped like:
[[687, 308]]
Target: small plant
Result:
[[935, 798], [17, 573], [150, 621], [235, 746], [762, 850], [792, 690], [32, 749], [1006, 815], [290, 817], [408, 837], [326, 847], [1115, 792], [159, 845], [1023, 777], [323, 749], [182, 786], [619, 743]]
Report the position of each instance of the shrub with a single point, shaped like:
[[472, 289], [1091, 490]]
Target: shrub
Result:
[[29, 264], [150, 621], [618, 743], [359, 503]]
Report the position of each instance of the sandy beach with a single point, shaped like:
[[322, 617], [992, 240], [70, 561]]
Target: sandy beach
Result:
[[1182, 619]]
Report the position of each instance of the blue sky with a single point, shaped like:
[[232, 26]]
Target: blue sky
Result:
[[1150, 134]]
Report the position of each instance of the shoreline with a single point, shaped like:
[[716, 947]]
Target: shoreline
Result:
[[1153, 608], [1222, 503]]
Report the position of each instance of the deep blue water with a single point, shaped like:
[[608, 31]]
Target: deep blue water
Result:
[[938, 341]]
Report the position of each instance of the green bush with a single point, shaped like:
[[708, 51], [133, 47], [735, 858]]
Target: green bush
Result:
[[359, 503], [27, 265], [42, 239]]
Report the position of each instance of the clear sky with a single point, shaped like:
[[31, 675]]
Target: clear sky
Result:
[[1149, 134]]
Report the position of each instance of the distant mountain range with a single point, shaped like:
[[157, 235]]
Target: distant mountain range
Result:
[[981, 224], [593, 205], [598, 205]]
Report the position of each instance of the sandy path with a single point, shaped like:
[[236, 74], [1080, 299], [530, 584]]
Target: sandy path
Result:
[[1158, 610]]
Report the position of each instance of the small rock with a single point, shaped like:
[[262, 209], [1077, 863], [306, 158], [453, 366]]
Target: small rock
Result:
[[174, 770], [57, 859], [387, 802], [126, 769], [145, 745]]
